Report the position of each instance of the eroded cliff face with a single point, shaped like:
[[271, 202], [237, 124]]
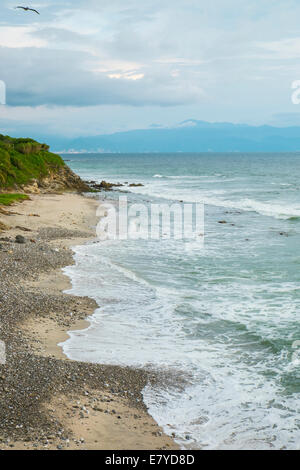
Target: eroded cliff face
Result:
[[63, 179]]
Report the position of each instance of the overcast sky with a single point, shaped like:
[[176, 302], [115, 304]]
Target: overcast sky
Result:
[[86, 67]]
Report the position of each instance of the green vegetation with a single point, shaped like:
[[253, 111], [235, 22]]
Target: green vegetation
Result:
[[22, 160], [8, 199]]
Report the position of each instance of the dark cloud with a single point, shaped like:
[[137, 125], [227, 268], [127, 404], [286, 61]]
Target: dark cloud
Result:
[[36, 76], [228, 59]]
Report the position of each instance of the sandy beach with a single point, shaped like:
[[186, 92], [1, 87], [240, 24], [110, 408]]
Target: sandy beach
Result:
[[46, 400]]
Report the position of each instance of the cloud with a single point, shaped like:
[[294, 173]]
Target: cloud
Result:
[[89, 53], [46, 76], [283, 49], [19, 37], [235, 57]]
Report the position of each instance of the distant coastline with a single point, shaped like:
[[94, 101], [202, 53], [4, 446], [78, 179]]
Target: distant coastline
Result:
[[189, 136]]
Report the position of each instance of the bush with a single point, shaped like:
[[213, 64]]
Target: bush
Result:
[[23, 160], [8, 199]]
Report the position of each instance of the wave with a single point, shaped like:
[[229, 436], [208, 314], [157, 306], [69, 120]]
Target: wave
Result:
[[192, 177], [270, 209], [279, 211]]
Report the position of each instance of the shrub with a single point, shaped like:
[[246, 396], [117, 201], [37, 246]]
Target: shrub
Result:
[[22, 160]]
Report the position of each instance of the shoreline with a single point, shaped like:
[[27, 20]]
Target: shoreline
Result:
[[65, 404]]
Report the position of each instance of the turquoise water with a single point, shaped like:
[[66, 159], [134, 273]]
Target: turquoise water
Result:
[[223, 317]]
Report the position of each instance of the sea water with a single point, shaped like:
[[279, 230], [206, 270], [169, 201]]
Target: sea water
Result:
[[219, 321]]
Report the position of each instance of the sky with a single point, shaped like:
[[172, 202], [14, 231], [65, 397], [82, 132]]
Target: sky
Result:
[[88, 67]]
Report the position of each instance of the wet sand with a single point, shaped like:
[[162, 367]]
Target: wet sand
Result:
[[46, 400]]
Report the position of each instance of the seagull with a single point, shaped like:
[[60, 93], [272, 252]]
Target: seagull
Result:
[[29, 9]]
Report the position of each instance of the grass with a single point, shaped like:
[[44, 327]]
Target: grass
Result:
[[8, 199], [23, 160]]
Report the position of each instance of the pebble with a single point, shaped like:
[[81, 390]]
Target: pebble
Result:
[[20, 239], [28, 381]]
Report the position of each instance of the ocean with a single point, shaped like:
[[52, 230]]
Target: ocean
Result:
[[218, 322]]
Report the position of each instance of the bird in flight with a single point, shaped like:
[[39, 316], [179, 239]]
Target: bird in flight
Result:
[[29, 9]]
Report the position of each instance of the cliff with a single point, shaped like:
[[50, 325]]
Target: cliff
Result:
[[27, 165]]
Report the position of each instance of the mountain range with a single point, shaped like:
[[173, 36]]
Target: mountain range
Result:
[[188, 136]]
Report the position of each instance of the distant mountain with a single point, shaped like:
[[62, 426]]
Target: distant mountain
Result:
[[189, 136]]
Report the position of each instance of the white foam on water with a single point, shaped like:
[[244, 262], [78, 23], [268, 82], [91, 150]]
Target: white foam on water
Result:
[[218, 318], [205, 196], [228, 401]]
